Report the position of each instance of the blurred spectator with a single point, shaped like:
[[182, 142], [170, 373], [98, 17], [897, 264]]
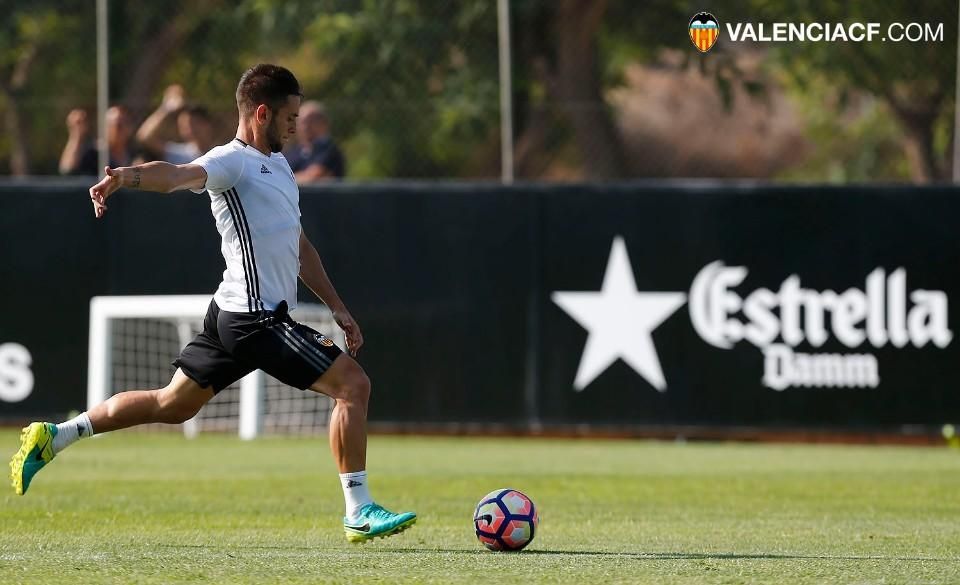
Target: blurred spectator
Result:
[[193, 124], [315, 157], [79, 156]]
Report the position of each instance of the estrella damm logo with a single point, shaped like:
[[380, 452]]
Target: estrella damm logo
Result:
[[704, 31]]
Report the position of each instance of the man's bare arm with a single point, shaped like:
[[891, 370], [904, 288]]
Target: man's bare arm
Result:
[[149, 132], [157, 176], [70, 157], [78, 128], [314, 172], [315, 277]]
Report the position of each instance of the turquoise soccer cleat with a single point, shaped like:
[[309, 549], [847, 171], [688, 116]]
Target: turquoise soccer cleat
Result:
[[374, 521], [36, 450]]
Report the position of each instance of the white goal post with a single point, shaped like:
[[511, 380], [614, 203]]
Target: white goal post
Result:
[[134, 339]]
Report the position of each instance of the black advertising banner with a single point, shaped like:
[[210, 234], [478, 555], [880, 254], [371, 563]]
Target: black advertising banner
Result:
[[592, 304], [54, 257], [800, 307]]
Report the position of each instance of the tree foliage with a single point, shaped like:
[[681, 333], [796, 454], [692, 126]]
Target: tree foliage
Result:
[[42, 59], [412, 85], [915, 80]]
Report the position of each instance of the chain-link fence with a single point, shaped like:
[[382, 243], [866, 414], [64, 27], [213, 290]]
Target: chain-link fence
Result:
[[601, 89]]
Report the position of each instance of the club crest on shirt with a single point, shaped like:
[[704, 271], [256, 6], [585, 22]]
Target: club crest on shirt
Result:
[[323, 340]]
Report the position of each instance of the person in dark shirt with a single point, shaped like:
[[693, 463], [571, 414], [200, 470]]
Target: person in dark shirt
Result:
[[315, 157], [79, 156]]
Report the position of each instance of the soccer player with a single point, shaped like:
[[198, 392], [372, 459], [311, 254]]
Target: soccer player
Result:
[[255, 202]]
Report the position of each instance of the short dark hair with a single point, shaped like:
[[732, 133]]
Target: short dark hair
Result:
[[266, 84], [197, 111]]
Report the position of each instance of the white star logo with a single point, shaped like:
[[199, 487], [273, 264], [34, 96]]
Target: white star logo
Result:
[[620, 321]]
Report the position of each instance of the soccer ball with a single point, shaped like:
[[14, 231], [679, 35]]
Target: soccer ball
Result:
[[505, 519]]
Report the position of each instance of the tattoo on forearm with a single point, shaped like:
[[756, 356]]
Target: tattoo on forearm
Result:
[[136, 178]]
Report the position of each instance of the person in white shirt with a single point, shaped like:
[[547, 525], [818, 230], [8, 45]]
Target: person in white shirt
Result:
[[255, 202]]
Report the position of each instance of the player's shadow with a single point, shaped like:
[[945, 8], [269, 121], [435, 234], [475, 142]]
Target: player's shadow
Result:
[[638, 556], [660, 556]]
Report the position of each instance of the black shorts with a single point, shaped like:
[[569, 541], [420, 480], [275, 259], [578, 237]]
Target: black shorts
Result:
[[232, 345]]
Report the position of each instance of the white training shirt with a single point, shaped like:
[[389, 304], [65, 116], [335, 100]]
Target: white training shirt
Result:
[[256, 204]]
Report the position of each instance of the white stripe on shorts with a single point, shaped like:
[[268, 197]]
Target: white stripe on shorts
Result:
[[298, 337], [298, 349]]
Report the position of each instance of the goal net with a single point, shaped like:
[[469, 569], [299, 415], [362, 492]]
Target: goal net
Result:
[[134, 339]]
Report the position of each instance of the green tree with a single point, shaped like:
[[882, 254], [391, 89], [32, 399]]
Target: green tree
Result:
[[43, 52], [412, 85], [915, 80], [48, 65]]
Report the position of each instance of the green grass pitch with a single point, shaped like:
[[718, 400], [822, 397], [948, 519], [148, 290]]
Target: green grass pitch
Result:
[[157, 508]]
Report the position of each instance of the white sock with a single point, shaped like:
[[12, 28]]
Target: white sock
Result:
[[69, 432], [355, 492]]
